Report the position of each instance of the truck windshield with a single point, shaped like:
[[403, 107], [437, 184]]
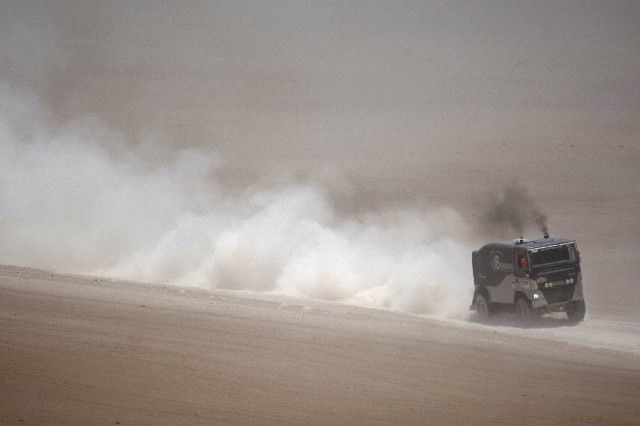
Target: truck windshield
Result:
[[546, 255]]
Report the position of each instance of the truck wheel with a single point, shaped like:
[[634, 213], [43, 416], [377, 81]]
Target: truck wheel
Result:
[[524, 312], [576, 311], [482, 307]]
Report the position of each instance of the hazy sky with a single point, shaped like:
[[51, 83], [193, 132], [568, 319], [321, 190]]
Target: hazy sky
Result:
[[391, 94]]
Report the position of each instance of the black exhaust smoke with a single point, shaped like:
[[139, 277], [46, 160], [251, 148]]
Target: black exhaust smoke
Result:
[[514, 210]]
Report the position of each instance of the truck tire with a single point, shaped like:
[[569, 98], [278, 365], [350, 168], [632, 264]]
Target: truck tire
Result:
[[576, 311], [483, 308], [524, 311]]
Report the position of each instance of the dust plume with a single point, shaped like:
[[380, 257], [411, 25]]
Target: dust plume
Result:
[[70, 201], [188, 108], [514, 210]]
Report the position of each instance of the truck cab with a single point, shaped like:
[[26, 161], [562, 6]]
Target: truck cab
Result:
[[529, 278]]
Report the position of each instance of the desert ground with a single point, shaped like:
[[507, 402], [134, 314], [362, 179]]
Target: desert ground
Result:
[[78, 350]]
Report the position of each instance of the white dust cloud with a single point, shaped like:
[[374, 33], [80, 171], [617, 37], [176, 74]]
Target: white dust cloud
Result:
[[74, 198]]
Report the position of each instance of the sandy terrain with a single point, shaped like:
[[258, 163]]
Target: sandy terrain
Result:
[[84, 350]]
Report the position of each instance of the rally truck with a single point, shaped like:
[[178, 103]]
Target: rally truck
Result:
[[529, 278]]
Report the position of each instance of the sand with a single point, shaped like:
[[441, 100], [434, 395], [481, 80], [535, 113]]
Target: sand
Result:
[[77, 350]]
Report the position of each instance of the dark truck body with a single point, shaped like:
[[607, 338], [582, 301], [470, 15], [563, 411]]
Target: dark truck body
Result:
[[544, 273]]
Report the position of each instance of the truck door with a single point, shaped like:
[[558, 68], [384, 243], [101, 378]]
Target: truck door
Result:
[[501, 264]]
